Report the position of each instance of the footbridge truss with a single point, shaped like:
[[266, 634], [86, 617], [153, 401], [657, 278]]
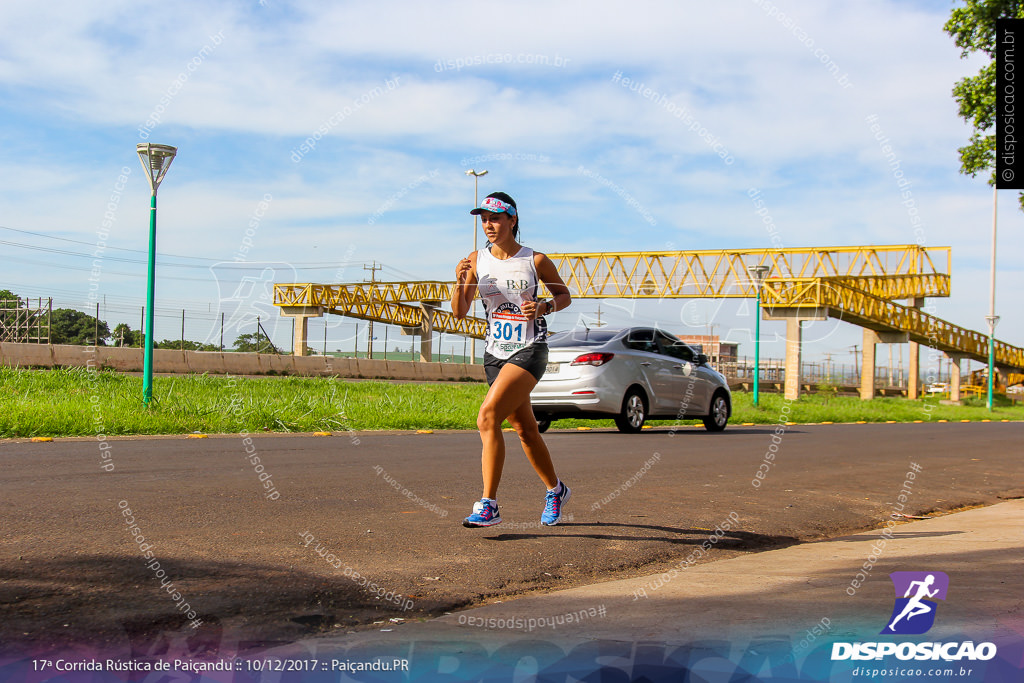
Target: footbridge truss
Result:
[[860, 285]]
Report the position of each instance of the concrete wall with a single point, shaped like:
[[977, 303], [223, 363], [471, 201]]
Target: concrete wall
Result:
[[216, 363]]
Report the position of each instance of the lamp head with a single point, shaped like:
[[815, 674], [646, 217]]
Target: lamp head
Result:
[[758, 273], [156, 159]]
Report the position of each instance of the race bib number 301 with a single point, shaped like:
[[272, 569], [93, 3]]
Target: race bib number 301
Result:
[[508, 326]]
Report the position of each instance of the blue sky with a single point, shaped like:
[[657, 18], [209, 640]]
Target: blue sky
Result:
[[399, 99]]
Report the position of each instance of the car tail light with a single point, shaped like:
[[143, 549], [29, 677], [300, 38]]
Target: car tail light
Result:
[[595, 359]]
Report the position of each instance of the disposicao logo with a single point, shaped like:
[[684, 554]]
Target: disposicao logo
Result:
[[913, 614]]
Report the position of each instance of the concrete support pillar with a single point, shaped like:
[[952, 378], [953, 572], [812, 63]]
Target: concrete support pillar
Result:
[[867, 372], [914, 376], [301, 327], [301, 314], [794, 356], [427, 330], [914, 372], [794, 317], [867, 369], [954, 377], [1001, 377]]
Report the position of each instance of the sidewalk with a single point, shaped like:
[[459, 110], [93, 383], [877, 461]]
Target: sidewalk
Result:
[[791, 590], [802, 596]]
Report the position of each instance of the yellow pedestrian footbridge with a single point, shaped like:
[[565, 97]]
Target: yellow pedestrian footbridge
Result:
[[860, 285]]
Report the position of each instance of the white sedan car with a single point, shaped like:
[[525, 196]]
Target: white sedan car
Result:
[[632, 375]]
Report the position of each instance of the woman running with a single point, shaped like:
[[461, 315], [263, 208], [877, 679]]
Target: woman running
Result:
[[507, 276]]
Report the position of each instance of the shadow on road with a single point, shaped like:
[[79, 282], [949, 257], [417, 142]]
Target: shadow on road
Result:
[[117, 604], [733, 540]]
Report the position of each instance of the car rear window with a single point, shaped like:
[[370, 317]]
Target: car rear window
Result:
[[582, 337]]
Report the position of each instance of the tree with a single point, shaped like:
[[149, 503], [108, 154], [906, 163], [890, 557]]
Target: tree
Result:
[[255, 343], [68, 326], [973, 28]]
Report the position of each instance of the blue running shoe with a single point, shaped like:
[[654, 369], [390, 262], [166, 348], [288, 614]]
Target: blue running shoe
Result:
[[553, 505], [485, 513]]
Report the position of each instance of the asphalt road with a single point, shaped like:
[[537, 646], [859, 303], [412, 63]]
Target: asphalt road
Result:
[[388, 507]]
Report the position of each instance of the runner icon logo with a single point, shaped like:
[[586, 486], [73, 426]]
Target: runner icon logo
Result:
[[916, 595]]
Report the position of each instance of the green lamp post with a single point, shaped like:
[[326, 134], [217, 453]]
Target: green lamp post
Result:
[[757, 273], [992, 320], [156, 159]]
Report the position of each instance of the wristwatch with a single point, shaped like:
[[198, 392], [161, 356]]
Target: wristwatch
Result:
[[550, 307]]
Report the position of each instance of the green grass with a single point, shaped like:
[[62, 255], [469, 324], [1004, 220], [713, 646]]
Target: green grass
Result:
[[77, 402]]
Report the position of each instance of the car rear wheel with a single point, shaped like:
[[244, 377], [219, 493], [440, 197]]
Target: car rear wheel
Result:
[[543, 424], [718, 416], [634, 412]]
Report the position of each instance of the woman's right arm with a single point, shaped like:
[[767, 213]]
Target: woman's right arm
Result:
[[465, 286]]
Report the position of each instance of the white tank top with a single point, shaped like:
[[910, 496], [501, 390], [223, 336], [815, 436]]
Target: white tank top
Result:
[[504, 287]]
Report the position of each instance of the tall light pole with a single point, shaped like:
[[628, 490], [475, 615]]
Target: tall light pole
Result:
[[757, 273], [992, 318], [476, 202], [715, 356], [156, 159], [373, 280]]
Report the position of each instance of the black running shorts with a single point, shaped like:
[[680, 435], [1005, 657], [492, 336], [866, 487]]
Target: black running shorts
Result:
[[533, 359]]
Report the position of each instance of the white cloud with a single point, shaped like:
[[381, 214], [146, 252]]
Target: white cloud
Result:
[[78, 83]]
